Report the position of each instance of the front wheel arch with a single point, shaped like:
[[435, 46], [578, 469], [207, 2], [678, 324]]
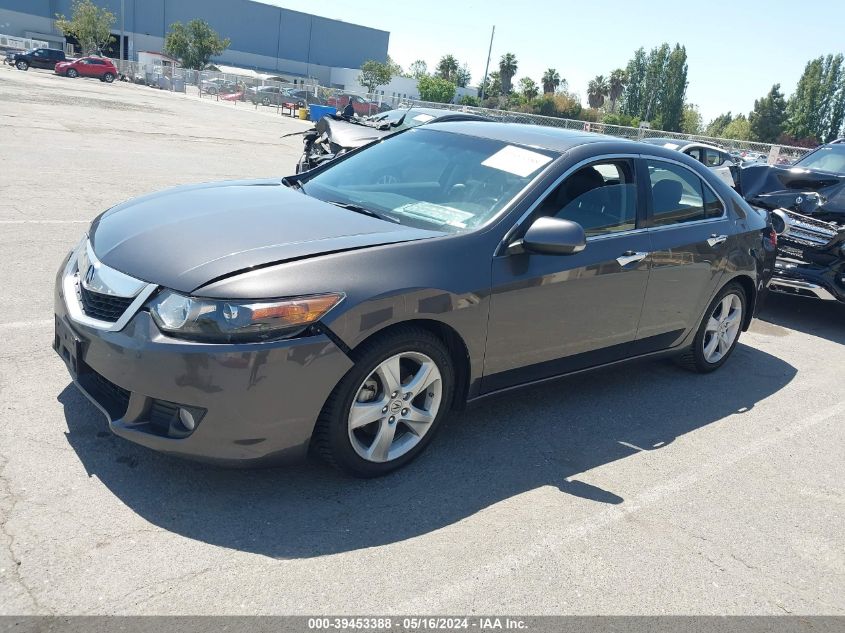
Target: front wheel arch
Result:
[[454, 342]]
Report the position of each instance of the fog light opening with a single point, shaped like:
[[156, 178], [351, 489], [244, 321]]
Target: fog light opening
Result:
[[187, 419]]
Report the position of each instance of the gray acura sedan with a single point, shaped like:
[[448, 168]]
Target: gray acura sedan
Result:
[[346, 310]]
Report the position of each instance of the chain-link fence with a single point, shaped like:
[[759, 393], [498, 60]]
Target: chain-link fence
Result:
[[290, 97]]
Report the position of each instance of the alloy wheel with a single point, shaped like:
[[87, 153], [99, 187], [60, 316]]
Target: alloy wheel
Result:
[[722, 328], [395, 407]]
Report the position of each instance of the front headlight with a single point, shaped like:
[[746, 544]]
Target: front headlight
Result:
[[219, 321]]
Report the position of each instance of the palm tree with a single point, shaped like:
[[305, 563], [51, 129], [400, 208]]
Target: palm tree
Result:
[[596, 91], [616, 86], [507, 69], [551, 80], [447, 67]]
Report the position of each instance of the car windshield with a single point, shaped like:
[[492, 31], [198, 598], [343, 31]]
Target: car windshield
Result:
[[830, 158], [431, 179]]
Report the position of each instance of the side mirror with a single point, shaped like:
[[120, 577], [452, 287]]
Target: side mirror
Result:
[[551, 236]]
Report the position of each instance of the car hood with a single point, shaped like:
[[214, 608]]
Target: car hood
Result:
[[350, 135], [774, 186], [184, 238]]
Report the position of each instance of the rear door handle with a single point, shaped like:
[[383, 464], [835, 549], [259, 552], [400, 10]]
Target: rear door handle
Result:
[[715, 240], [630, 257]]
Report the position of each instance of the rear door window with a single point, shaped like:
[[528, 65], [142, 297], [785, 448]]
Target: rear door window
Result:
[[676, 192]]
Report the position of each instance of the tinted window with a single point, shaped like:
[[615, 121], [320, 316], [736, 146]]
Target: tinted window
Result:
[[713, 207], [676, 194], [601, 197], [712, 158], [695, 153], [827, 158]]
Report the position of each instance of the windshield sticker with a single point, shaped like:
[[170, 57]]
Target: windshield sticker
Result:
[[671, 145], [517, 161], [437, 212], [423, 118]]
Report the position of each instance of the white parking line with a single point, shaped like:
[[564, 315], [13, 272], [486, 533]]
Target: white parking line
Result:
[[509, 564], [19, 325], [45, 221]]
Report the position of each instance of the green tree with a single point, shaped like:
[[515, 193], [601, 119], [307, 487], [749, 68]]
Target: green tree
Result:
[[469, 100], [633, 99], [691, 121], [89, 24], [597, 91], [768, 117], [493, 85], [418, 69], [551, 80], [655, 75], [739, 129], [194, 43], [374, 74], [507, 69], [528, 88], [674, 90], [463, 76], [616, 86], [447, 68], [436, 89], [716, 127], [817, 108], [395, 68]]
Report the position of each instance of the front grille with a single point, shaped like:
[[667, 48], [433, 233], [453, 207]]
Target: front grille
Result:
[[806, 231], [110, 396], [103, 307]]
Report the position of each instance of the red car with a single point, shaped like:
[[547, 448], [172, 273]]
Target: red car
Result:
[[99, 67], [362, 106]]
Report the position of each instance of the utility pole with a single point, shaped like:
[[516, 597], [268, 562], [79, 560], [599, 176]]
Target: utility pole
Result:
[[122, 31], [487, 67]]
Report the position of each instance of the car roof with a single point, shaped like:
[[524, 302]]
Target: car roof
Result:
[[552, 138], [682, 143]]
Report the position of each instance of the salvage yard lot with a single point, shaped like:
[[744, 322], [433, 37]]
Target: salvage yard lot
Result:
[[640, 489]]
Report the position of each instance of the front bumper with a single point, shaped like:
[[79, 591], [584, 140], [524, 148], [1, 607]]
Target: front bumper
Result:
[[252, 403], [809, 280]]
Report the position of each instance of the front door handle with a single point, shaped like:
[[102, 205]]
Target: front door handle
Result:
[[715, 240], [630, 257]]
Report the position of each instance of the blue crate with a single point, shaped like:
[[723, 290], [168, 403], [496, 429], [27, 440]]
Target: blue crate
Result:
[[317, 112]]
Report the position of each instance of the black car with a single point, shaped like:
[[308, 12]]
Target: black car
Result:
[[347, 310], [37, 58], [333, 136], [810, 197]]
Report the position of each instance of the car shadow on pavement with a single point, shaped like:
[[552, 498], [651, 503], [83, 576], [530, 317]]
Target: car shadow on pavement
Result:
[[502, 447], [825, 319]]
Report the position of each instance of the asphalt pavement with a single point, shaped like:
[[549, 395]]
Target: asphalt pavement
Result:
[[641, 489]]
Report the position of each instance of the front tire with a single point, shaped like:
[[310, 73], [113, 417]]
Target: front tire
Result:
[[387, 408], [108, 78], [265, 101], [72, 73], [22, 65], [718, 333]]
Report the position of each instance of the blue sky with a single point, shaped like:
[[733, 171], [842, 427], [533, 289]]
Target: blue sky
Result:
[[736, 50]]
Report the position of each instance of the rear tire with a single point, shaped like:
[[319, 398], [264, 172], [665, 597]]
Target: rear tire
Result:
[[265, 101], [108, 78], [353, 447], [22, 65], [718, 333], [72, 73]]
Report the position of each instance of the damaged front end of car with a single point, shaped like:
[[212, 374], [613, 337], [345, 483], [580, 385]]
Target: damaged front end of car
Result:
[[333, 136], [810, 205]]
